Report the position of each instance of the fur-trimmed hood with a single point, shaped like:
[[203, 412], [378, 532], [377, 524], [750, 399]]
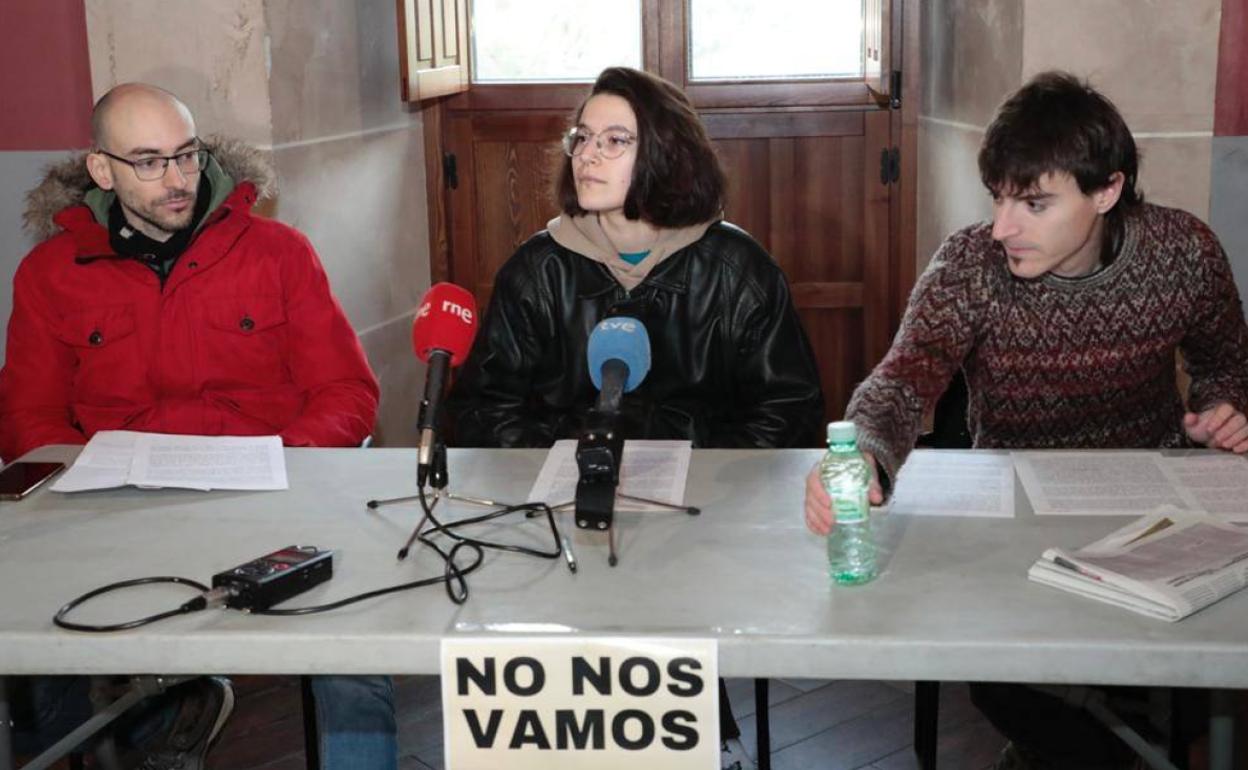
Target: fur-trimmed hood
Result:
[[66, 183]]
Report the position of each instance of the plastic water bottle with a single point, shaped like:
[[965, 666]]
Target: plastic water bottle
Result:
[[846, 477]]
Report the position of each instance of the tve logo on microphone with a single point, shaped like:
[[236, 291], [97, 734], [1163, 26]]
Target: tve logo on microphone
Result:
[[623, 339], [622, 324]]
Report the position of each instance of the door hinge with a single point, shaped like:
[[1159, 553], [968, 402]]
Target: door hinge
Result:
[[890, 165], [450, 172], [894, 89]]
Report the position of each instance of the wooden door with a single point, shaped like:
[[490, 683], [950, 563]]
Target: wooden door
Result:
[[506, 164], [809, 190]]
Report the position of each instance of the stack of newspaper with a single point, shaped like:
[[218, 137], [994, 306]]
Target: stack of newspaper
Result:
[[1166, 565]]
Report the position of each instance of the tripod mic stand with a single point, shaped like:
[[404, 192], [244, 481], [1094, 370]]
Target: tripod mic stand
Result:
[[438, 480]]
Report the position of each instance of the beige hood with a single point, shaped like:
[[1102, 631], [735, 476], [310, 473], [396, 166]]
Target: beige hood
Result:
[[584, 235]]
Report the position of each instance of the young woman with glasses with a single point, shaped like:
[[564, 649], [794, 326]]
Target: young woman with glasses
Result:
[[641, 234]]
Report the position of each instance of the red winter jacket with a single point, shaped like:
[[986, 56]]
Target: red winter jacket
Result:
[[245, 338]]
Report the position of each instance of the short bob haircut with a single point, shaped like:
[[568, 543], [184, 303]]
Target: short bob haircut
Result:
[[677, 180], [1058, 124]]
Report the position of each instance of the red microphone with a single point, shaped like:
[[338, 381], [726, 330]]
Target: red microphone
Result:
[[446, 322]]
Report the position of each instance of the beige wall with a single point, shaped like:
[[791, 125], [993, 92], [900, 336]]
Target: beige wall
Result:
[[316, 83], [217, 68], [1156, 59], [972, 53]]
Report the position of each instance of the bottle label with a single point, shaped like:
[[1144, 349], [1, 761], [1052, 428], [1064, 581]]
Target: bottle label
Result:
[[851, 508]]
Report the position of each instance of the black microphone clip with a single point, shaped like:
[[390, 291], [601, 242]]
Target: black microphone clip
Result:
[[598, 454]]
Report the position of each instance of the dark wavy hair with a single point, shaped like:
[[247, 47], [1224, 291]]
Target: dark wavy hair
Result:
[[677, 180], [1057, 123]]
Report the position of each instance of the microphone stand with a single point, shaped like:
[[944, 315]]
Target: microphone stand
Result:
[[438, 479]]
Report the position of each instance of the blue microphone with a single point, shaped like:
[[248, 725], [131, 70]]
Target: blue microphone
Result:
[[619, 359]]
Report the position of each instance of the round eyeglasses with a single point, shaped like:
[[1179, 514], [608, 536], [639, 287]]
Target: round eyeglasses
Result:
[[153, 167], [611, 143]]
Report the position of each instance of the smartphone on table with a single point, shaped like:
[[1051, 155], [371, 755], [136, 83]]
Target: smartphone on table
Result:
[[21, 478]]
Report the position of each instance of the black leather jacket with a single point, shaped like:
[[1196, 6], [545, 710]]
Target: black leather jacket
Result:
[[731, 365]]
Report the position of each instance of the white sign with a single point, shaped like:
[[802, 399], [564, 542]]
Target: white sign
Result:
[[567, 704]]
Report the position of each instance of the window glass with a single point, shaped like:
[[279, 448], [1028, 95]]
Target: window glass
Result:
[[540, 40], [775, 39]]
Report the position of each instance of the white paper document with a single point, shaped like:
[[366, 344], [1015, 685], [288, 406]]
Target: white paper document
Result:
[[104, 463], [656, 470], [119, 458], [1098, 483], [1217, 482], [955, 482]]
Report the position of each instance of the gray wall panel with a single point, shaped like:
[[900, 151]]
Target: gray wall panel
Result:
[[1228, 203], [20, 171]]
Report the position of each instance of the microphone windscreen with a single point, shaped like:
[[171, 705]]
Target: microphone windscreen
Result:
[[622, 338], [445, 320]]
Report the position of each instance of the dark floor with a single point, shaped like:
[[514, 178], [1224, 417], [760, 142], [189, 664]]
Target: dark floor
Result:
[[815, 725]]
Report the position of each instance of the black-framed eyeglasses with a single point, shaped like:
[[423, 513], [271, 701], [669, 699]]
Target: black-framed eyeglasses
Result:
[[611, 143], [153, 167]]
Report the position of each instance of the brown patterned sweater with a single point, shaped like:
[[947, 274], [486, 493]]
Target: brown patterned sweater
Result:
[[1064, 363]]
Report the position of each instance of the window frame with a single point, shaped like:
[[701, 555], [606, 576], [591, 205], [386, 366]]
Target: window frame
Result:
[[665, 52]]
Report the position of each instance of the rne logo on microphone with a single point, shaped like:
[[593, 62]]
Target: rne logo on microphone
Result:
[[462, 312], [618, 325]]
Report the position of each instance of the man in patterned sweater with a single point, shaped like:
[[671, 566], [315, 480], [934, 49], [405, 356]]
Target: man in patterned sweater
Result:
[[1065, 313]]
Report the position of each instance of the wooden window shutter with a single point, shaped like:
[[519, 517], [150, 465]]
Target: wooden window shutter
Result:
[[877, 66], [433, 48]]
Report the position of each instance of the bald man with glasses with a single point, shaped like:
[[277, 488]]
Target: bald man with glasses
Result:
[[158, 302]]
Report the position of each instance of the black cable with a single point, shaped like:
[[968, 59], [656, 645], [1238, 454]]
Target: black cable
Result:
[[530, 510], [454, 575], [194, 605]]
